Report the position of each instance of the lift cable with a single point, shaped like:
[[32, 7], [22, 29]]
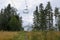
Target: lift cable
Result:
[[26, 11], [13, 3]]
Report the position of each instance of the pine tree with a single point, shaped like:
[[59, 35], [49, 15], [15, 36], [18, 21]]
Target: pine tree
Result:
[[8, 15], [42, 17], [48, 10], [36, 19], [57, 17]]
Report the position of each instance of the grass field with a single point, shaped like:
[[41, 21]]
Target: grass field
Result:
[[29, 35], [7, 35]]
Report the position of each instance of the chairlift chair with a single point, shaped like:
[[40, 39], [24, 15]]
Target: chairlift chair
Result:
[[26, 11]]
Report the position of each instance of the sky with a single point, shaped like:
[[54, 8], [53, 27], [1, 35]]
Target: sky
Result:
[[20, 5]]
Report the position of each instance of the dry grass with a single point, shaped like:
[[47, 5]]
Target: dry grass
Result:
[[43, 35], [51, 35], [7, 35]]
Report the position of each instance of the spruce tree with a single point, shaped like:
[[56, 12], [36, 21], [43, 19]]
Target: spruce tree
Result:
[[42, 17], [57, 17], [49, 16], [36, 19], [8, 16]]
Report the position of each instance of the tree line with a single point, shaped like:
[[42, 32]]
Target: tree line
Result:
[[43, 18], [10, 20]]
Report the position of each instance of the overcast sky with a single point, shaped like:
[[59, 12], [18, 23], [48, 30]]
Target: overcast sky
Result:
[[20, 5]]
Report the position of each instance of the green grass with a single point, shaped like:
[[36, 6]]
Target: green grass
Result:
[[20, 36]]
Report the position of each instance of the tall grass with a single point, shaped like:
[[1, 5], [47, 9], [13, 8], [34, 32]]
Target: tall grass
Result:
[[39, 35], [7, 35], [51, 35]]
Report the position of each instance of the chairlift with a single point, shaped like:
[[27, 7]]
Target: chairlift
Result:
[[26, 11]]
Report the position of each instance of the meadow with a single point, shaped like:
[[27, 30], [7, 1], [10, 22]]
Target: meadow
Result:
[[51, 35]]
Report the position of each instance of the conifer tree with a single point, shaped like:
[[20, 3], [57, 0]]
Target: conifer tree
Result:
[[49, 16], [57, 18], [42, 17], [36, 19], [9, 19]]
